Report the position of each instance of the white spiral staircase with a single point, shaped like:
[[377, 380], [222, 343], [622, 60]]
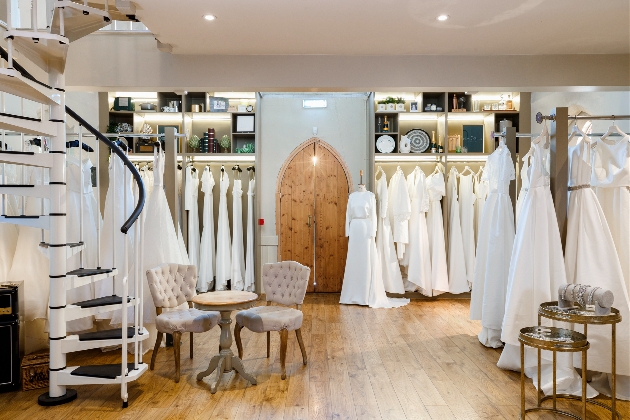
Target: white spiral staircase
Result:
[[47, 49]]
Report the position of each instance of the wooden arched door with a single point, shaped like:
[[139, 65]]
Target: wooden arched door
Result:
[[312, 195]]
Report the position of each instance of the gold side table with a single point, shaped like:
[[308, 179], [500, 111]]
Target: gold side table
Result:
[[555, 340], [586, 316]]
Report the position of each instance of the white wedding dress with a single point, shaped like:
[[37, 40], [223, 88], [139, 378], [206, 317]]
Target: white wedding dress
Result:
[[224, 242], [494, 248], [435, 230], [191, 204], [611, 177], [457, 278], [207, 256], [417, 257], [524, 184], [480, 186], [535, 275], [392, 278], [238, 259], [467, 200], [399, 209], [362, 280], [250, 282]]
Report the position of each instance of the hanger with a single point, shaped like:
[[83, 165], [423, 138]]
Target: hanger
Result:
[[480, 172], [379, 170], [75, 143], [576, 132], [222, 168], [251, 168], [613, 129], [466, 168], [122, 145]]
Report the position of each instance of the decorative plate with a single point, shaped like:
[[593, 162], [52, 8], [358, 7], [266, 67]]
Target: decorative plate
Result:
[[385, 144], [419, 140]]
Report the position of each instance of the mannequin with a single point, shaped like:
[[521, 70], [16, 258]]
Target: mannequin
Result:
[[361, 186]]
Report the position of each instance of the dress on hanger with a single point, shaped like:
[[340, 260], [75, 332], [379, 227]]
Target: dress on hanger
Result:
[[435, 229], [457, 278], [480, 187], [494, 248], [224, 242], [191, 203], [160, 237], [417, 257], [91, 219], [362, 280], [119, 203], [392, 278], [250, 283], [238, 259], [467, 219], [207, 256], [524, 185], [399, 209], [611, 177], [535, 275]]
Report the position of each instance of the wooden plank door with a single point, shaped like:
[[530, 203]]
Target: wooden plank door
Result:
[[296, 205], [331, 199]]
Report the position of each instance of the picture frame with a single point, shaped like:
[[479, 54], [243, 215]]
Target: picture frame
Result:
[[413, 106], [245, 124], [218, 104], [473, 138]]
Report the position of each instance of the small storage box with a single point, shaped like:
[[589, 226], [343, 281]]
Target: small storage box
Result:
[[35, 370], [123, 103]]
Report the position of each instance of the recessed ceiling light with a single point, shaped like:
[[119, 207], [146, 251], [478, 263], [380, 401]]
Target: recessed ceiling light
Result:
[[209, 17], [442, 17]]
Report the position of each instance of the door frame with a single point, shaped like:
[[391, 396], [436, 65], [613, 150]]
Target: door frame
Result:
[[285, 166]]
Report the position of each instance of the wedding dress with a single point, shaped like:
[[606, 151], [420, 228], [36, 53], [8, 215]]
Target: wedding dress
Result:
[[435, 229], [224, 243], [467, 219], [457, 278], [480, 187], [535, 275], [238, 262], [207, 256], [399, 209], [494, 248], [362, 280], [524, 184], [249, 253], [417, 257], [392, 278], [191, 204]]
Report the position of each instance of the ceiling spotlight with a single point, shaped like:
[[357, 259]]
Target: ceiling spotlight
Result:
[[209, 17], [442, 17]]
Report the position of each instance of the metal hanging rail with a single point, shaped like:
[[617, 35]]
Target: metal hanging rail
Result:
[[540, 117]]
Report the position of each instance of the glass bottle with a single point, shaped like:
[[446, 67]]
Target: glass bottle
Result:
[[379, 126], [386, 125], [509, 104], [433, 144], [440, 147], [502, 104]]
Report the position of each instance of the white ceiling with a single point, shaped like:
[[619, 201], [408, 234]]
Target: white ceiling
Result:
[[390, 27]]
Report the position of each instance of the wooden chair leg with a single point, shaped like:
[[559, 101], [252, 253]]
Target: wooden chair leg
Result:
[[284, 336], [298, 333], [237, 338], [158, 341], [191, 345], [268, 343], [177, 338]]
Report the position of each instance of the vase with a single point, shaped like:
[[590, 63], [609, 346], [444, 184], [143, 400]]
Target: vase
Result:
[[225, 150], [381, 107], [400, 107], [391, 107]]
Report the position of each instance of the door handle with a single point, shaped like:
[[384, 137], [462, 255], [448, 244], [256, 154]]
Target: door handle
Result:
[[309, 223]]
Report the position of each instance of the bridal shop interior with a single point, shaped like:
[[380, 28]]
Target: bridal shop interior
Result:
[[428, 216]]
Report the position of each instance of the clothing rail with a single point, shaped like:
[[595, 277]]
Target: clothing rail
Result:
[[538, 134], [540, 117]]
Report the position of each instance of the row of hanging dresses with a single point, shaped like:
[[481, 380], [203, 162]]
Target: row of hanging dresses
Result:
[[494, 248], [249, 253], [207, 263], [417, 258], [191, 204], [536, 272], [392, 278], [224, 240], [458, 279], [436, 189], [363, 279], [610, 176]]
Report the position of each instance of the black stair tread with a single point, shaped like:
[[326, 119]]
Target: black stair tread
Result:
[[102, 301], [106, 334], [84, 272], [13, 152], [17, 185], [71, 244], [101, 371], [21, 217]]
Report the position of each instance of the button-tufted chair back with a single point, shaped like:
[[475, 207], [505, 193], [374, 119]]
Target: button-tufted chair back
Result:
[[285, 282], [172, 284]]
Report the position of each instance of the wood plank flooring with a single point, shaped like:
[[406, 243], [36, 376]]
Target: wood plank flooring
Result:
[[422, 361]]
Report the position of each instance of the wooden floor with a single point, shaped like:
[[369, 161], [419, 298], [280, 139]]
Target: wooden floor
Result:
[[422, 361]]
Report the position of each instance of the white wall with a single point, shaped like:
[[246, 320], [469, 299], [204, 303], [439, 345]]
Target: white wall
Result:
[[595, 103], [285, 125]]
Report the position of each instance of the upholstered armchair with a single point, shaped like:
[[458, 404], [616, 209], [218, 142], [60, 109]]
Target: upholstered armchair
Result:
[[285, 284], [171, 285]]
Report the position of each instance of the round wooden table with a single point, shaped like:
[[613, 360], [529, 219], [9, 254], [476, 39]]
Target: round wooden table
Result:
[[225, 302]]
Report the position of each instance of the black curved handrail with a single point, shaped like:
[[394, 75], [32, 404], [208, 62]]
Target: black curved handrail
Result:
[[115, 149]]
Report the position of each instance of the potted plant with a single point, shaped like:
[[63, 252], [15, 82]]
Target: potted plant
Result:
[[225, 144], [400, 104], [193, 142], [382, 105], [390, 103]]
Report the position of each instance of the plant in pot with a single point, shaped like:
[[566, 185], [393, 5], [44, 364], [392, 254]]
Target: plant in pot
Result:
[[225, 144], [390, 103], [193, 143], [382, 105], [400, 104]]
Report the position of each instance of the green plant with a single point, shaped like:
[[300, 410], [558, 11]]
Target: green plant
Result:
[[389, 100], [248, 148], [225, 142], [193, 142], [399, 100]]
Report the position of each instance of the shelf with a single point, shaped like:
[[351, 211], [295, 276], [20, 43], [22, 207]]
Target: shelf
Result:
[[408, 157], [243, 134], [385, 133], [220, 157]]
